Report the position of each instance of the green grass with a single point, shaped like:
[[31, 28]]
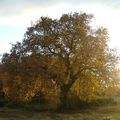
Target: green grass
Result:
[[99, 113]]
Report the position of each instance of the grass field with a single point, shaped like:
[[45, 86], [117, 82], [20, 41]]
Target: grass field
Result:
[[88, 114]]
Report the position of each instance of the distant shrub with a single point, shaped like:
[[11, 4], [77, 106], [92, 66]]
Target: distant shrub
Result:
[[40, 107], [12, 104], [108, 118], [104, 101]]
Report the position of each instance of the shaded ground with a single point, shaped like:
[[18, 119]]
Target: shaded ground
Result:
[[94, 114]]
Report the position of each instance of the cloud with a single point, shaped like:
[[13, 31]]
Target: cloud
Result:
[[21, 12], [11, 8], [17, 7]]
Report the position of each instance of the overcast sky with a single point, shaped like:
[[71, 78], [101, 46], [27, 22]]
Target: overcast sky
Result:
[[16, 16]]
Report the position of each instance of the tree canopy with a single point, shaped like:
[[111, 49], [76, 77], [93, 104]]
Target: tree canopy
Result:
[[66, 51]]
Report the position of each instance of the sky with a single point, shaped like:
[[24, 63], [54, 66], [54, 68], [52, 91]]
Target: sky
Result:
[[17, 15]]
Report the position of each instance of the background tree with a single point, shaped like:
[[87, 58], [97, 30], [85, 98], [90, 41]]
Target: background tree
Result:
[[66, 51]]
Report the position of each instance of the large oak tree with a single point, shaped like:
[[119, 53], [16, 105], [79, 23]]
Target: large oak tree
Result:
[[64, 50]]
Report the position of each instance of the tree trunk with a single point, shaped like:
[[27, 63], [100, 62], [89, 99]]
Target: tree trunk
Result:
[[63, 97], [64, 93]]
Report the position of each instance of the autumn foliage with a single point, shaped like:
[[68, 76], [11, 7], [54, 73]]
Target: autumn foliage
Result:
[[60, 58]]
